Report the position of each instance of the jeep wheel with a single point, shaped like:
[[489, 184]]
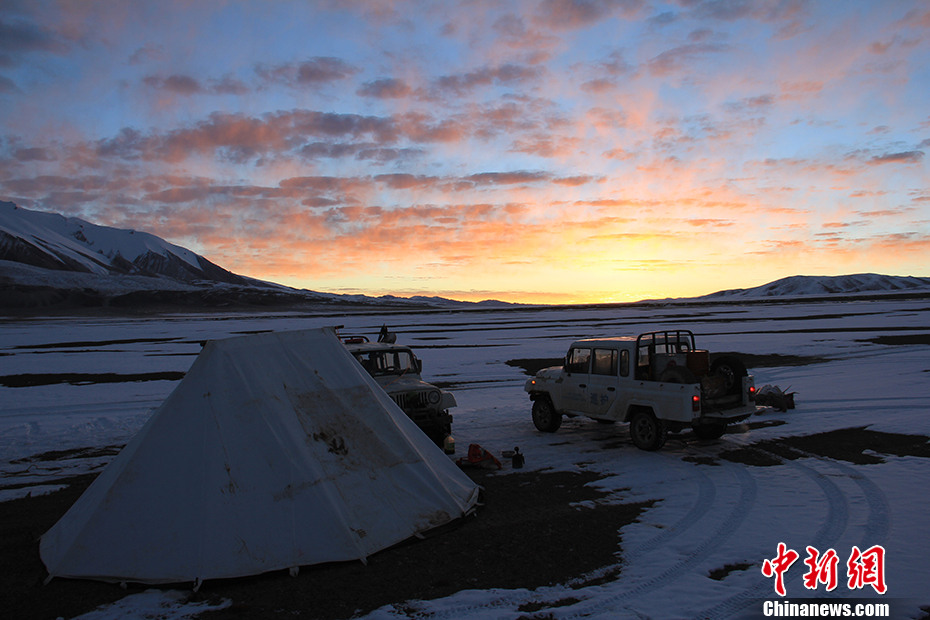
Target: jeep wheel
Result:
[[545, 416], [709, 431], [647, 432]]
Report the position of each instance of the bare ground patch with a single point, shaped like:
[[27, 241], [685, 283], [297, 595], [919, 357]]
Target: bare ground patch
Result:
[[531, 532], [860, 446], [85, 378], [73, 453], [898, 340]]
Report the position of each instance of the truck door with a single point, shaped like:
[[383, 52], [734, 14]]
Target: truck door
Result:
[[602, 386], [575, 380]]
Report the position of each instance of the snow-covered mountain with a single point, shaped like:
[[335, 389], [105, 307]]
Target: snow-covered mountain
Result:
[[53, 241], [801, 286], [49, 261]]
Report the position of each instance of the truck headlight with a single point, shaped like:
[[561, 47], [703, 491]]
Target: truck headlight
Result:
[[434, 397]]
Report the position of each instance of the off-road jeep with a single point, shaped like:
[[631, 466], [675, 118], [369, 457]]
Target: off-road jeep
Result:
[[397, 370], [659, 382]]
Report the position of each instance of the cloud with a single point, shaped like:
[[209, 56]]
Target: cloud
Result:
[[314, 72], [185, 85], [361, 151], [385, 88], [506, 75], [762, 10], [663, 19], [318, 183], [20, 36], [407, 181], [678, 59], [183, 194], [47, 182], [422, 127], [148, 53], [229, 85], [310, 134], [574, 181], [33, 154], [531, 45], [175, 84], [575, 14], [710, 223], [238, 137], [507, 178], [903, 157], [599, 86], [7, 85], [758, 102]]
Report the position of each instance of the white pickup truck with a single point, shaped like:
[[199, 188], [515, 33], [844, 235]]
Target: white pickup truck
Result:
[[659, 382]]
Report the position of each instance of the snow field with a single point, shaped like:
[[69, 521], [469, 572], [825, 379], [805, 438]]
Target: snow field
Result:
[[708, 513]]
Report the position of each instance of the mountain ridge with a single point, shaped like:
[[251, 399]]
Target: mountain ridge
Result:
[[803, 285], [54, 241], [51, 261]]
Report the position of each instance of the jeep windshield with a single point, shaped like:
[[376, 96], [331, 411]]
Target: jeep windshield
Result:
[[380, 363]]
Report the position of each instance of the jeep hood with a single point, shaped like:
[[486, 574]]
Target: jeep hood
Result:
[[403, 383], [553, 372]]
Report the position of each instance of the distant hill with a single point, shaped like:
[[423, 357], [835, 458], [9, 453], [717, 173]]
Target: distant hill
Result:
[[803, 286]]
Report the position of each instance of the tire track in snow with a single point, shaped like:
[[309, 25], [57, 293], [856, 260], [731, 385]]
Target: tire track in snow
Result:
[[837, 522], [703, 503], [725, 529], [707, 492], [878, 522], [835, 525]]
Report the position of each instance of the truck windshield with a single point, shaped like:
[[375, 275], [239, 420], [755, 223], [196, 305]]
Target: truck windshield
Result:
[[379, 363]]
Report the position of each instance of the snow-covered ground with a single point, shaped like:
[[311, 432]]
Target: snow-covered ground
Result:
[[706, 517]]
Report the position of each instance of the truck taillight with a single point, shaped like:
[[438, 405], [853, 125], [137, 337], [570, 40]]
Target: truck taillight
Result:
[[695, 403]]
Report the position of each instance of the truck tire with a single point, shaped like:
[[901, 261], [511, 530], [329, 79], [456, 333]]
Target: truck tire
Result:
[[647, 431], [732, 370], [545, 417], [709, 431]]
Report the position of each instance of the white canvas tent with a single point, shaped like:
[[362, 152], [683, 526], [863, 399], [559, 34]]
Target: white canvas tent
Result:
[[275, 451]]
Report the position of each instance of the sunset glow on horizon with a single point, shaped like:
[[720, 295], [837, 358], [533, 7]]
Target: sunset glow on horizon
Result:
[[546, 151]]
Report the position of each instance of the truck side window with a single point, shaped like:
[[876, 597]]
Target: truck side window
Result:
[[605, 362], [624, 363], [578, 360]]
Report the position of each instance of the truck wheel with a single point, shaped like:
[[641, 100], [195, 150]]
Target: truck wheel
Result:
[[545, 416], [647, 432], [709, 431], [732, 370]]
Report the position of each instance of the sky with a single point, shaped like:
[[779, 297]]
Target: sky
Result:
[[553, 151]]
